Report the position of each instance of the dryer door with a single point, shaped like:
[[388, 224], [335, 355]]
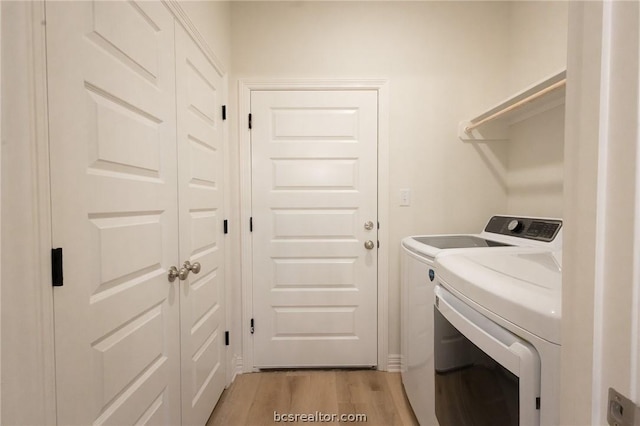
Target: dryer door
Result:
[[484, 374]]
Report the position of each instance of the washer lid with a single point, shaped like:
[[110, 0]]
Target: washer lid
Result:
[[524, 288], [457, 241], [432, 245]]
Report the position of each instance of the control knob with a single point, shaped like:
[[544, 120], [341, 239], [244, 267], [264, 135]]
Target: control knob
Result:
[[515, 226]]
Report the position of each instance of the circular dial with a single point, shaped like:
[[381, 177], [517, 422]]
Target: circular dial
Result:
[[515, 226]]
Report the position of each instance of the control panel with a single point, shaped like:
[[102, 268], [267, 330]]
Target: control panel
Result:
[[525, 227]]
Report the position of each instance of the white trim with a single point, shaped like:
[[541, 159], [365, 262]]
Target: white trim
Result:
[[395, 363], [43, 206], [601, 218], [634, 338], [245, 86], [33, 37], [244, 138], [635, 314], [237, 367], [228, 299], [183, 19], [0, 211]]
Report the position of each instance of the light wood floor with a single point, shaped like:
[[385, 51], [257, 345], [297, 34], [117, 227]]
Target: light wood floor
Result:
[[253, 397]]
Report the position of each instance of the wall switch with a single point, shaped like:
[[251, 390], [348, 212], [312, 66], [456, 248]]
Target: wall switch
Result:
[[621, 411], [405, 197]]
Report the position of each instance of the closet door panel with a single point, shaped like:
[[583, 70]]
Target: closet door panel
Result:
[[111, 81], [200, 171]]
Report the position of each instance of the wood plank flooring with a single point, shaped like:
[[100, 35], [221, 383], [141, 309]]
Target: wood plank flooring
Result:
[[254, 397]]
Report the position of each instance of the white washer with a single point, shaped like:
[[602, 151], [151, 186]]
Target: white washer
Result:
[[509, 305], [502, 234]]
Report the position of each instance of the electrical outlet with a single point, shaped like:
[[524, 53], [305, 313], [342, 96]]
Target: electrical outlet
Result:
[[405, 197], [621, 411]]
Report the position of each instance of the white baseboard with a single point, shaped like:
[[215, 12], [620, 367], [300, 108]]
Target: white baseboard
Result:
[[394, 364], [236, 368]]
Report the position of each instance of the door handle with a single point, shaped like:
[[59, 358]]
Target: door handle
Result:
[[173, 274], [368, 225], [369, 245], [193, 267], [183, 273]]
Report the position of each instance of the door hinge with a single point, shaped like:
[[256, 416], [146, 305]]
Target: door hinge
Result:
[[251, 224], [250, 123], [252, 326], [226, 226], [224, 112], [57, 278], [226, 338]]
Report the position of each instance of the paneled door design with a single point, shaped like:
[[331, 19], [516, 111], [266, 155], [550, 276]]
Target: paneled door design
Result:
[[314, 214], [199, 100], [113, 177], [136, 189]]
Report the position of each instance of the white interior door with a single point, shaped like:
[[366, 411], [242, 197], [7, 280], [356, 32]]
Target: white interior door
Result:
[[114, 196], [314, 187], [200, 138]]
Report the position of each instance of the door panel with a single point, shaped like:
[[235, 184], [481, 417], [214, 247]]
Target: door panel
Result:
[[314, 186], [200, 173], [113, 172]]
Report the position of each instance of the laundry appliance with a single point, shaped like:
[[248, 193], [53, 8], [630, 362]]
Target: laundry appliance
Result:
[[502, 234], [497, 338]]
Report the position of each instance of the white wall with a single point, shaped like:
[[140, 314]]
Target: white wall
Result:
[[442, 59], [537, 41], [535, 170], [537, 49]]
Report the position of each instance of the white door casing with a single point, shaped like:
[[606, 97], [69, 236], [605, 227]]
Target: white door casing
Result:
[[314, 187], [200, 151]]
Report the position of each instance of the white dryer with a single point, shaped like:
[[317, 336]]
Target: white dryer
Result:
[[502, 234], [497, 338]]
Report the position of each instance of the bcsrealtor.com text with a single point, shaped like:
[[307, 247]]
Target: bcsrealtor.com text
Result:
[[318, 417]]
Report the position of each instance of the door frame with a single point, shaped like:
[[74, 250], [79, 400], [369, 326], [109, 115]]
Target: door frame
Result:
[[245, 87], [37, 200]]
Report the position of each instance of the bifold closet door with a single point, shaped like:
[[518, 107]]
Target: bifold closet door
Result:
[[200, 150], [112, 106]]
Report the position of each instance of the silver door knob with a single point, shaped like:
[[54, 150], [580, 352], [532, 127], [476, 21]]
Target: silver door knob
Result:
[[195, 267], [183, 273], [368, 225], [369, 245], [173, 274]]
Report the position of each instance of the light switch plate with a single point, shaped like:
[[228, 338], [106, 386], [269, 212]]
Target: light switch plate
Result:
[[621, 411]]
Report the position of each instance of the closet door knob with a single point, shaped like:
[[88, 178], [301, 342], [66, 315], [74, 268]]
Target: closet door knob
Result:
[[173, 274], [195, 267], [369, 245], [183, 273]]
